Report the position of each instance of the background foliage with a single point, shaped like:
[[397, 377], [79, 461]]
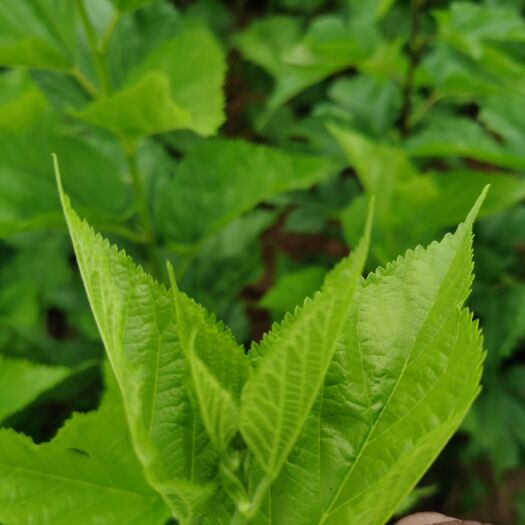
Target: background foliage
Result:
[[241, 140]]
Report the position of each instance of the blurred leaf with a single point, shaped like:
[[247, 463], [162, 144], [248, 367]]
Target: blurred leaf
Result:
[[21, 103], [234, 254], [214, 14], [455, 187], [177, 86], [502, 311], [29, 132], [497, 421], [295, 61], [291, 289], [38, 34], [28, 199], [412, 208], [519, 505], [505, 115], [305, 6], [448, 73], [375, 9], [306, 219], [462, 137], [475, 30], [21, 382], [129, 5], [62, 91], [414, 498], [221, 179], [138, 34], [145, 108], [368, 104], [499, 260], [468, 26]]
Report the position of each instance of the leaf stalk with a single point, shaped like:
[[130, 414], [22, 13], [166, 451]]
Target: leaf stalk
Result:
[[96, 51]]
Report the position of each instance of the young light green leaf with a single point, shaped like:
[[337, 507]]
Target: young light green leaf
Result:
[[402, 378], [21, 382], [142, 109], [137, 323], [221, 179], [218, 366], [87, 475], [293, 360], [37, 33]]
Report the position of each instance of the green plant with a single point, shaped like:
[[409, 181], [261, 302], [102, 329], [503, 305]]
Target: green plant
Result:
[[340, 409], [317, 105]]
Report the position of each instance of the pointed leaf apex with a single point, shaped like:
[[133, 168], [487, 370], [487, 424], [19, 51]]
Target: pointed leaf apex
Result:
[[477, 206], [171, 276], [370, 218], [58, 177]]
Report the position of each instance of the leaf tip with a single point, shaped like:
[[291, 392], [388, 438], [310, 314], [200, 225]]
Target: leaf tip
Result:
[[370, 216], [477, 205], [171, 276], [56, 168], [58, 179]]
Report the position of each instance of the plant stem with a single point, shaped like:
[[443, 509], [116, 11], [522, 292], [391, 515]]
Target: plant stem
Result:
[[122, 231], [96, 51], [420, 112], [413, 53], [106, 39], [84, 83], [142, 201], [241, 518]]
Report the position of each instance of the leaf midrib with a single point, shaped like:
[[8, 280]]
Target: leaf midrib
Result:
[[77, 481]]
